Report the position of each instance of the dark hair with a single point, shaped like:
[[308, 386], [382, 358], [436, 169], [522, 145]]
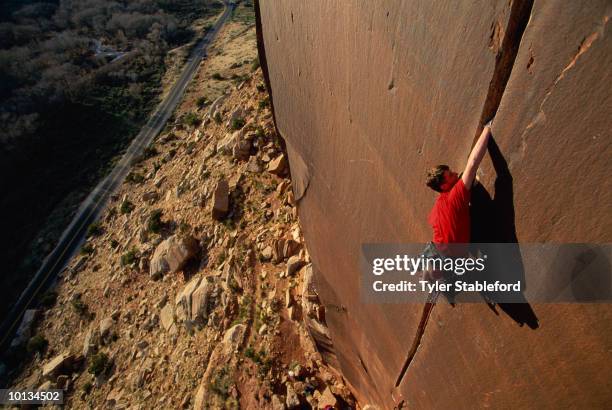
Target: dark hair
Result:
[[435, 177]]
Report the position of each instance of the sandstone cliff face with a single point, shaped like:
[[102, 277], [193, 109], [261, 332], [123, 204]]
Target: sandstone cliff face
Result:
[[367, 96]]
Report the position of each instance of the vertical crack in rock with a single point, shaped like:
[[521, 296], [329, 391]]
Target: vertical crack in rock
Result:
[[417, 340], [504, 60]]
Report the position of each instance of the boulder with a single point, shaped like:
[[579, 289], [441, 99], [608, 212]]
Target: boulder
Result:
[[294, 264], [150, 196], [278, 166], [89, 342], [167, 317], [292, 401], [172, 254], [241, 146], [220, 204], [184, 299], [61, 363], [105, 327], [290, 248], [232, 338], [266, 254], [253, 165], [225, 145], [327, 399], [200, 300]]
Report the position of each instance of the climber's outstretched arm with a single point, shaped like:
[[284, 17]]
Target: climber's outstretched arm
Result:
[[480, 148]]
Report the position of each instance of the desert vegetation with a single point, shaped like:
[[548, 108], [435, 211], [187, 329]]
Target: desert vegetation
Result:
[[77, 81]]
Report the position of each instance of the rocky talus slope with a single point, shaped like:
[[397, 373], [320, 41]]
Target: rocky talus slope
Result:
[[195, 288]]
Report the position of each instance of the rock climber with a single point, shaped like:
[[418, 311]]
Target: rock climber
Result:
[[450, 215]]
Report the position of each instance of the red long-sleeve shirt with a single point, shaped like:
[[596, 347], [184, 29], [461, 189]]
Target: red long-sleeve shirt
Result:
[[450, 216]]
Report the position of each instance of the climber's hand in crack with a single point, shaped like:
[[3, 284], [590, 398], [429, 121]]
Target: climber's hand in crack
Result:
[[478, 151]]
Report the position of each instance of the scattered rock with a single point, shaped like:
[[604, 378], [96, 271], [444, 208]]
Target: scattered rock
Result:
[[183, 300], [225, 145], [48, 385], [278, 166], [200, 301], [267, 253], [233, 337], [150, 197], [62, 382], [241, 147], [292, 312], [282, 187], [327, 399], [220, 204], [159, 181], [185, 401], [172, 254], [60, 364], [105, 327], [89, 342], [290, 248], [167, 317], [277, 403], [292, 401], [294, 264], [288, 298], [162, 302], [253, 165]]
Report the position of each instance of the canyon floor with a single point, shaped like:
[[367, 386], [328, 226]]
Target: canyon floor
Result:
[[194, 290]]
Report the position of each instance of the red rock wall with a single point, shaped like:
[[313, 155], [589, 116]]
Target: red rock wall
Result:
[[368, 95]]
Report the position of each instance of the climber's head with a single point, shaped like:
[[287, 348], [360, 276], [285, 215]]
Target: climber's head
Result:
[[441, 178]]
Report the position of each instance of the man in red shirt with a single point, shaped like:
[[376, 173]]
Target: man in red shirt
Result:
[[450, 215]]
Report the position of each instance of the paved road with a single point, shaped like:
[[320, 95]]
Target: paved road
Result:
[[90, 209]]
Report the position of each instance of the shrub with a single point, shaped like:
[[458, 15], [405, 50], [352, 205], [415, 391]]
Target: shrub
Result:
[[261, 87], [201, 101], [264, 103], [255, 64], [191, 119], [37, 344], [218, 118], [217, 76], [126, 207], [79, 306], [221, 384], [87, 249], [98, 364], [48, 299], [184, 227], [154, 223], [95, 229], [134, 178], [149, 152], [129, 258], [237, 123], [87, 386]]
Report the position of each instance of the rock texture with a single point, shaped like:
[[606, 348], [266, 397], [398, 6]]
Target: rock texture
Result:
[[410, 86], [172, 254]]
